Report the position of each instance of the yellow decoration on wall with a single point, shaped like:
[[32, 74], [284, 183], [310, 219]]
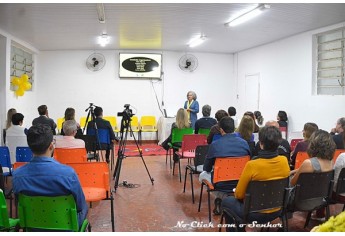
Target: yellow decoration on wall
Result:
[[21, 84]]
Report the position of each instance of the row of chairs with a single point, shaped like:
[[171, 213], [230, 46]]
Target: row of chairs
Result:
[[302, 156]]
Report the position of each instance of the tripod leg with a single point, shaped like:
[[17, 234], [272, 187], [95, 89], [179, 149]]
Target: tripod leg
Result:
[[117, 172]]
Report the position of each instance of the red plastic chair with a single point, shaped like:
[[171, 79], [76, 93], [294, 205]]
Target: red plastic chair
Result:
[[301, 156], [70, 155], [189, 144], [294, 142]]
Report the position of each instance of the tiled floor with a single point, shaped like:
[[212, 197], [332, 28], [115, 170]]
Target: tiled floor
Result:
[[159, 207]]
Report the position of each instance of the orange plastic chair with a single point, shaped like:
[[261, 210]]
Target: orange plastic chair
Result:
[[337, 153], [301, 156], [94, 179], [225, 169], [294, 142], [189, 144], [148, 124], [70, 155], [18, 164]]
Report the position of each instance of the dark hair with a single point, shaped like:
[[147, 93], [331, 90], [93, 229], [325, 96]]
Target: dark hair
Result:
[[220, 114], [39, 138], [282, 116], [258, 117], [249, 113], [16, 118], [98, 111], [70, 114], [206, 110], [309, 128], [227, 124], [270, 137], [321, 145], [42, 110], [232, 111]]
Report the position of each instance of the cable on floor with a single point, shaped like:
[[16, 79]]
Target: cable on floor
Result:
[[128, 185]]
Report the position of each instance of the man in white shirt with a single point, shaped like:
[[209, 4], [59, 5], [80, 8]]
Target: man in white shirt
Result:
[[70, 128]]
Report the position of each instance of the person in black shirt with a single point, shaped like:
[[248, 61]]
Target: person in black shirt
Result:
[[206, 122]]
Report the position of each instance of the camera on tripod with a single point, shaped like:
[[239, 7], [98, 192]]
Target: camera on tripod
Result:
[[127, 113]]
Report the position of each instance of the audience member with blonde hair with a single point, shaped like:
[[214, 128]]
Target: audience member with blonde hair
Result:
[[8, 124], [70, 115]]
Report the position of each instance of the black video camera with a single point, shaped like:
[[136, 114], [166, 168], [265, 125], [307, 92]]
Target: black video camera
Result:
[[127, 113]]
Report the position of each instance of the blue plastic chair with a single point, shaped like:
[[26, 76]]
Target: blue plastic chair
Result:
[[23, 154], [5, 161]]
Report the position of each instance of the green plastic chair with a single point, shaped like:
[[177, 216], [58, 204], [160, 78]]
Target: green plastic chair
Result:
[[6, 223], [176, 137], [204, 131], [49, 213]]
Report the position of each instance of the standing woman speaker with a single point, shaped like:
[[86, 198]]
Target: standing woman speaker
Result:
[[192, 107]]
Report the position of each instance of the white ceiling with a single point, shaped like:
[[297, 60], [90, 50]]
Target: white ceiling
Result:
[[161, 26]]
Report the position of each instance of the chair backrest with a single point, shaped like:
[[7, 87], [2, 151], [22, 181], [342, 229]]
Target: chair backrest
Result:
[[103, 135], [12, 142], [16, 165], [112, 121], [265, 195], [301, 156], [312, 189], [294, 142], [177, 134], [135, 123], [191, 141], [229, 168], [70, 155], [340, 189], [337, 153], [59, 123], [90, 142], [82, 121], [216, 137], [92, 174], [23, 154], [200, 155], [148, 122], [204, 131], [4, 218], [5, 160], [53, 213]]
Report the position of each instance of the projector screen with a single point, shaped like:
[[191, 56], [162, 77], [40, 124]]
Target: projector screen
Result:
[[140, 65]]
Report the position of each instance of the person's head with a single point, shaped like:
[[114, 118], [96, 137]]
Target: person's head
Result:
[[70, 113], [282, 116], [70, 127], [249, 113], [246, 127], [191, 95], [206, 110], [340, 127], [272, 123], [226, 125], [232, 111], [182, 120], [269, 138], [42, 110], [321, 145], [40, 140], [308, 129], [258, 117], [17, 119], [220, 114], [10, 113], [98, 111]]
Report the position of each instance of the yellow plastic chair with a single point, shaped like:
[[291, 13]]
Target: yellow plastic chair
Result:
[[148, 124], [113, 123], [59, 123], [82, 122]]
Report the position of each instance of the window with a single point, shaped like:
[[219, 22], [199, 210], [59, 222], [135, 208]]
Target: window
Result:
[[21, 63], [330, 63]]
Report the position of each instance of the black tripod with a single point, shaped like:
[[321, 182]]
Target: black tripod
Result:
[[125, 127], [91, 115]]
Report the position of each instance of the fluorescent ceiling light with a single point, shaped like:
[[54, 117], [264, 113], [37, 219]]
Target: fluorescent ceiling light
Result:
[[248, 15], [197, 41], [103, 40], [100, 12]]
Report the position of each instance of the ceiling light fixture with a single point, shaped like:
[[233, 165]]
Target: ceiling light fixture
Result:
[[103, 39], [100, 12], [248, 15], [197, 41]]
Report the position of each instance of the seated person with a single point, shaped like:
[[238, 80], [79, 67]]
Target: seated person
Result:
[[232, 113], [206, 122], [284, 146], [70, 115], [245, 131], [102, 124], [251, 114], [44, 176], [215, 129], [282, 119], [227, 146], [70, 128], [308, 130], [268, 165], [338, 133], [44, 118], [339, 164], [182, 122]]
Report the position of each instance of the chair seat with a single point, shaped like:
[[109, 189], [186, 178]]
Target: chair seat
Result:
[[94, 194], [13, 222], [186, 154], [148, 130]]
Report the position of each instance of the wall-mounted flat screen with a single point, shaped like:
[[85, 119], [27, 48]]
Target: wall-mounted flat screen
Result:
[[140, 65]]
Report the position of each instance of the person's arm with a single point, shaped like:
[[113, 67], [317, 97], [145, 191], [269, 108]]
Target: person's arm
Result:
[[185, 105], [195, 107], [79, 197], [306, 167]]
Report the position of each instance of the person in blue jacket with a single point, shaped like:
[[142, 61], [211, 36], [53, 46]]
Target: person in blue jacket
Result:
[[192, 107]]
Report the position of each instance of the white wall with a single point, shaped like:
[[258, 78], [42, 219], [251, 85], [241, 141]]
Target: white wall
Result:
[[286, 69]]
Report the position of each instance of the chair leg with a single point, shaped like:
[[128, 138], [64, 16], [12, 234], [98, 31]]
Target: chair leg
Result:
[[344, 207], [191, 182], [327, 212], [185, 180], [209, 205], [179, 169], [221, 222], [112, 212], [200, 198], [308, 219]]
